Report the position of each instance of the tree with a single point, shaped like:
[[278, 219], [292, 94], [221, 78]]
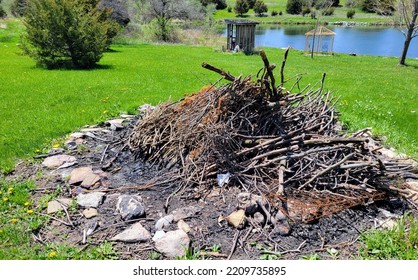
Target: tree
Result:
[[2, 11], [241, 7], [251, 3], [220, 4], [294, 7], [260, 7], [18, 8], [66, 33], [162, 12], [407, 15]]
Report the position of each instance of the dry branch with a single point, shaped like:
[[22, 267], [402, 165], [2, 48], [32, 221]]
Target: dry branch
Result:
[[286, 146]]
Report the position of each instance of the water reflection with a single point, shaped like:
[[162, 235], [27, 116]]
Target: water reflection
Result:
[[360, 40]]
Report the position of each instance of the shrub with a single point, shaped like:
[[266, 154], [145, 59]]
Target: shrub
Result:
[[241, 7], [305, 11], [274, 13], [2, 11], [229, 9], [220, 4], [260, 7], [294, 7], [351, 13], [18, 8], [280, 13], [67, 33], [251, 3]]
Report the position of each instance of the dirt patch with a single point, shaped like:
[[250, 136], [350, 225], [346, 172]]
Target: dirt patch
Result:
[[105, 150]]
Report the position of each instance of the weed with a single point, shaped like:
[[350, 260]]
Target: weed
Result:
[[400, 242], [314, 256]]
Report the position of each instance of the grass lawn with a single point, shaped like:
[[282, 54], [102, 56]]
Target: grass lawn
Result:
[[39, 105]]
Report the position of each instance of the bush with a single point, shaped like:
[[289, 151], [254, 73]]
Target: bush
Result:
[[67, 33], [274, 13], [229, 9], [241, 7], [220, 4], [251, 3], [294, 7], [260, 7], [2, 11], [305, 11], [18, 8], [280, 13], [368, 6], [351, 13]]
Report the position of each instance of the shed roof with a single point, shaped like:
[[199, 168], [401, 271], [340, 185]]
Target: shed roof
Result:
[[241, 22], [320, 30]]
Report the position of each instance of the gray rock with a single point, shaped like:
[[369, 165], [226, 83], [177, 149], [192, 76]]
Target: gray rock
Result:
[[164, 222], [57, 160], [185, 212], [135, 233], [259, 218], [57, 205], [116, 124], [88, 200], [130, 206], [173, 244], [281, 225], [76, 135], [71, 145], [158, 234]]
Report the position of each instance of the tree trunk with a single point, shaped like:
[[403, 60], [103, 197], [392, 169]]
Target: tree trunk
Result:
[[409, 34]]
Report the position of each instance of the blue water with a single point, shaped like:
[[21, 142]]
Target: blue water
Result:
[[379, 41]]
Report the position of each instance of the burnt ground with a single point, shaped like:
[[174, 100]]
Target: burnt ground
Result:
[[105, 150]]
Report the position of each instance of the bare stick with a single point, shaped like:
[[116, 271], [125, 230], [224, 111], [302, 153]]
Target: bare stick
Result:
[[283, 65], [226, 75]]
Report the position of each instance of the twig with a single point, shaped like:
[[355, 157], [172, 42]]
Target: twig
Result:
[[283, 65], [234, 244], [226, 75], [297, 250], [56, 219]]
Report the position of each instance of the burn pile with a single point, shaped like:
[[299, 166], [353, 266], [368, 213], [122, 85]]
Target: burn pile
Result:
[[283, 145]]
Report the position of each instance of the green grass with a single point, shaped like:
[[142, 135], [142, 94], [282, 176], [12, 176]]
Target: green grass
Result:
[[339, 15], [39, 105], [398, 243]]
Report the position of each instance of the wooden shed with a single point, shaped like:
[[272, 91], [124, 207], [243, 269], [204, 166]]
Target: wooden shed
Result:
[[320, 40], [240, 35]]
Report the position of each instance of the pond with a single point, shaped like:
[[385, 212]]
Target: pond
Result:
[[379, 41]]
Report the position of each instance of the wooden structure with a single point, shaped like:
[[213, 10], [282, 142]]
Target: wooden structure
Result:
[[320, 40], [240, 35]]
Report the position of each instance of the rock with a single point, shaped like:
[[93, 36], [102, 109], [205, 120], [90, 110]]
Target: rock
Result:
[[115, 124], [259, 219], [248, 202], [281, 225], [158, 234], [130, 206], [126, 116], [85, 176], [183, 226], [185, 212], [57, 205], [91, 129], [57, 160], [391, 154], [164, 222], [173, 243], [413, 185], [76, 135], [88, 200], [237, 219], [71, 145], [90, 180], [79, 174], [135, 233], [90, 213]]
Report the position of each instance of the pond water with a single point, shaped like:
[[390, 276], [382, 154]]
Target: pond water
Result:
[[379, 41]]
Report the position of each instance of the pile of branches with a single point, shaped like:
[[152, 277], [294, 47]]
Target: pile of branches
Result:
[[287, 147]]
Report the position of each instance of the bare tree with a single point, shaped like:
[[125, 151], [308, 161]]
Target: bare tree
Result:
[[407, 19], [164, 11]]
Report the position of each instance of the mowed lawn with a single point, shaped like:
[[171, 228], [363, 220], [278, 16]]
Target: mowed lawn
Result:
[[38, 105]]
